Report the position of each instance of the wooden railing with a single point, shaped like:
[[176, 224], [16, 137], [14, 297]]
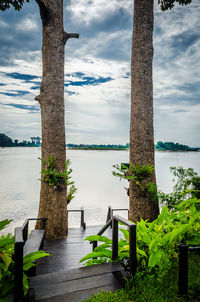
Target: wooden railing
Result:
[[83, 224], [111, 211], [132, 239], [183, 267], [21, 234]]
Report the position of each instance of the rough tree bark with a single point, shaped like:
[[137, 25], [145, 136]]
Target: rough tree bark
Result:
[[53, 203], [141, 121]]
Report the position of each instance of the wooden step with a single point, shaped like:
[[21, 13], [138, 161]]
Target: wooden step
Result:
[[77, 284]]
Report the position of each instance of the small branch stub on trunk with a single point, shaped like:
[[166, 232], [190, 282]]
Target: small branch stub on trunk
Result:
[[37, 98], [68, 36]]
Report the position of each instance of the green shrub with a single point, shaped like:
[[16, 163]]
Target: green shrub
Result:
[[186, 185], [7, 265], [157, 242]]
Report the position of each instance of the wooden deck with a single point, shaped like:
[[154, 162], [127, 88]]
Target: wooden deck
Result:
[[66, 253], [60, 276]]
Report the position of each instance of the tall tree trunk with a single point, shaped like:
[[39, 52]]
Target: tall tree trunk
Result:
[[53, 203], [141, 121]]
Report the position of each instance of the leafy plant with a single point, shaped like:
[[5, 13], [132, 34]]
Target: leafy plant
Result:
[[7, 265], [6, 262], [139, 174], [58, 180], [187, 185], [157, 242]]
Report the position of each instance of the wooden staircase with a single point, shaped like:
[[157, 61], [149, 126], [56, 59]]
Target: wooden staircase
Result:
[[59, 280], [77, 284]]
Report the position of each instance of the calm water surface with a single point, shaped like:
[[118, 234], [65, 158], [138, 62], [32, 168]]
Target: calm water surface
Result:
[[92, 173]]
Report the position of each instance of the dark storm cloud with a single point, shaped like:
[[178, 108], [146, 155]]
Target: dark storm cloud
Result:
[[193, 88], [183, 41], [15, 40], [118, 20], [98, 35]]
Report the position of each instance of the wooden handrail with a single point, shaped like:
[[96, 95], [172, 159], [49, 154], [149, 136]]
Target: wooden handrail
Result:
[[110, 212], [183, 267], [83, 223], [132, 239]]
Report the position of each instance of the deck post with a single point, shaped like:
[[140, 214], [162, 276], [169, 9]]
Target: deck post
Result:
[[18, 280], [183, 269], [114, 238], [82, 219], [132, 249], [94, 245]]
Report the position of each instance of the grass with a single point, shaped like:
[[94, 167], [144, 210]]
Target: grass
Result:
[[149, 288]]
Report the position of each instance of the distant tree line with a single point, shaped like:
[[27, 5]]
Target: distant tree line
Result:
[[170, 146], [98, 147], [6, 141]]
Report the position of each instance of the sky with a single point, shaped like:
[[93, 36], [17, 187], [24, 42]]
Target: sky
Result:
[[97, 72]]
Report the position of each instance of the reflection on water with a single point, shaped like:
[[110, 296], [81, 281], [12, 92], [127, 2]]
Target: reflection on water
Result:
[[92, 173]]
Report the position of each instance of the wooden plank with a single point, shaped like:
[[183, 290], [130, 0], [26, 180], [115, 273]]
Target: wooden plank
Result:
[[66, 253], [33, 242], [53, 290], [83, 272], [80, 295]]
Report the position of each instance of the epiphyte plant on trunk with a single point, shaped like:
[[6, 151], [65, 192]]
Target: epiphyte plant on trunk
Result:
[[58, 180], [141, 117], [139, 174], [51, 99]]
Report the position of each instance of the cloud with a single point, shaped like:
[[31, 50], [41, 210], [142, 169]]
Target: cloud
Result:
[[27, 24], [21, 76], [85, 80], [97, 71], [15, 93], [24, 107], [89, 10]]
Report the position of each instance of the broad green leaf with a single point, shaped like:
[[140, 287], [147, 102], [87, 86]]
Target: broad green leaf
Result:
[[146, 238], [27, 266], [141, 252], [6, 241], [126, 233], [4, 223], [25, 284], [6, 258], [155, 258], [105, 253], [34, 256], [98, 238], [125, 248], [102, 247]]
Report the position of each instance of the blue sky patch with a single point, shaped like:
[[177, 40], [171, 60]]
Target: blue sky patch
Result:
[[85, 81], [21, 76], [16, 93], [25, 107]]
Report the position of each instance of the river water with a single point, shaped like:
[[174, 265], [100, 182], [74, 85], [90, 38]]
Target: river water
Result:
[[92, 174]]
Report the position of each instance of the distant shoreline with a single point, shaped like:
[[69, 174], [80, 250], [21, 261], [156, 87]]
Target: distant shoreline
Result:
[[36, 141], [100, 149], [103, 149]]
